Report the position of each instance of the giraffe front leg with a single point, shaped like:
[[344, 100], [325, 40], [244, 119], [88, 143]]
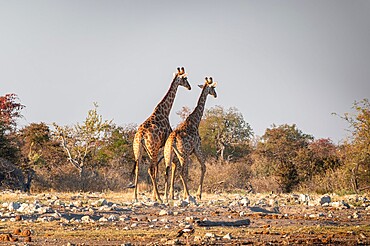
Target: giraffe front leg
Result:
[[166, 183], [198, 153], [155, 174], [173, 180], [203, 171]]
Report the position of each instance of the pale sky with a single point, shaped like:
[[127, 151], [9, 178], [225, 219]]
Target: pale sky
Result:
[[277, 62]]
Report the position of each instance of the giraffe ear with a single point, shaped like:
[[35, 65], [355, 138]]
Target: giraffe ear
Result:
[[214, 84], [201, 86]]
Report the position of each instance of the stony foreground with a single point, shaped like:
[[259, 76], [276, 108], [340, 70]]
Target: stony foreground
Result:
[[223, 219]]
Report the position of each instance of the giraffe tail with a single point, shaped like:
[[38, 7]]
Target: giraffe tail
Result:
[[137, 148], [168, 150]]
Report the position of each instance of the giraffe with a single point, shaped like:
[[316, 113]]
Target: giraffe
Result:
[[185, 140], [152, 134]]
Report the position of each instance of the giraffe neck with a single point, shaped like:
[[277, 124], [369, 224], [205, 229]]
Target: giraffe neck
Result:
[[165, 105], [197, 113]]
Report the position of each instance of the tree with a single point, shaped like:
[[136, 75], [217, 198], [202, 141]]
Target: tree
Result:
[[184, 112], [280, 146], [319, 156], [38, 149], [224, 133], [10, 110], [80, 142], [357, 148], [8, 149], [117, 146]]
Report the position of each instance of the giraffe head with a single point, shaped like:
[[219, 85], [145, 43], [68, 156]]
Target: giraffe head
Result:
[[210, 87], [180, 78]]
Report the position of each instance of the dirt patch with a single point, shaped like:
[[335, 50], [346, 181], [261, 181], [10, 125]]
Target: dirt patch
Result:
[[223, 219]]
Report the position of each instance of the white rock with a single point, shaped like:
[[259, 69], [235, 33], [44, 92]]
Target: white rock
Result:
[[197, 238], [152, 204], [234, 204], [189, 218], [103, 219], [191, 199], [341, 204], [227, 236], [99, 203], [181, 203], [113, 217], [304, 198], [44, 210], [56, 215], [273, 203], [261, 202], [356, 215], [85, 218], [46, 219], [245, 201], [59, 203], [77, 203], [23, 208], [163, 212], [137, 204], [105, 208], [124, 218], [210, 235]]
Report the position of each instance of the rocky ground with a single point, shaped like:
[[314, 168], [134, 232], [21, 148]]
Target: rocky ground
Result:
[[222, 219]]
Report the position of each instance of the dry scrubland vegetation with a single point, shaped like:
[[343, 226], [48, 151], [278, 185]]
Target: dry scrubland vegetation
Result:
[[96, 156]]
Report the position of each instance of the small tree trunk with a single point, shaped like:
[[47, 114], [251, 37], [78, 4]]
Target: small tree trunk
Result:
[[82, 178], [27, 184], [355, 178]]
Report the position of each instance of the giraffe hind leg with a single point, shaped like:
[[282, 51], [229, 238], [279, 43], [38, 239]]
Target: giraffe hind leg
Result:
[[152, 174], [184, 162], [168, 157]]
